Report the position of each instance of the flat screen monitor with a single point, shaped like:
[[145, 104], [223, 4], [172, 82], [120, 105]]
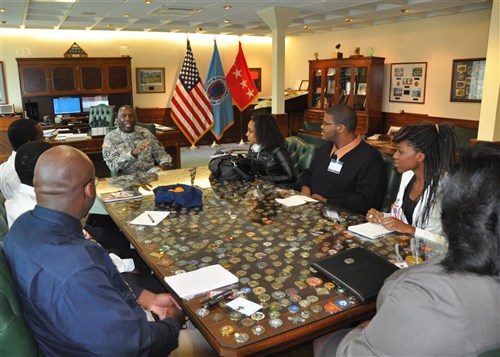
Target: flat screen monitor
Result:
[[90, 101], [67, 105]]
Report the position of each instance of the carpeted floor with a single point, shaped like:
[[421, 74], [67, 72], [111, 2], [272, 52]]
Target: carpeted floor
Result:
[[201, 156]]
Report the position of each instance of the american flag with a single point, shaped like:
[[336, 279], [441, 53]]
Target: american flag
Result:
[[190, 107]]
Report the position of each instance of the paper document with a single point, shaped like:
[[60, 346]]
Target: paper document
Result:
[[295, 200], [187, 285], [150, 218], [244, 306], [369, 230]]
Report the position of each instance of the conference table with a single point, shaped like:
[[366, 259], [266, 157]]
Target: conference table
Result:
[[268, 246]]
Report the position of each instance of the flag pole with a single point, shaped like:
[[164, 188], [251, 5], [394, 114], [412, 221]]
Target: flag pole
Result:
[[241, 129], [193, 147]]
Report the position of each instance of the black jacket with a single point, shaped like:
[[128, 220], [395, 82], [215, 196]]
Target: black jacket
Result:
[[271, 164]]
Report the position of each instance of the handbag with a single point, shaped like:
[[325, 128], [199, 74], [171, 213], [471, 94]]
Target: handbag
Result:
[[229, 168]]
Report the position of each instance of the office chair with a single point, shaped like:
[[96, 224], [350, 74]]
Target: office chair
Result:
[[101, 115]]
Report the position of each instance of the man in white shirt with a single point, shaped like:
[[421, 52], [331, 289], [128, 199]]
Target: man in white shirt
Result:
[[23, 199], [20, 132]]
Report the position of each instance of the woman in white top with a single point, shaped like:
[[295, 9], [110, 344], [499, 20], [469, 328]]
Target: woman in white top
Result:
[[425, 153]]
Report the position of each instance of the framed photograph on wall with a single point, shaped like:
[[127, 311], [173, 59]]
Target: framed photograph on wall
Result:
[[256, 74], [3, 88], [150, 80], [408, 82], [467, 80]]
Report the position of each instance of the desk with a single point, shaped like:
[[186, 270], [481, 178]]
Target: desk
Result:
[[268, 246], [92, 146]]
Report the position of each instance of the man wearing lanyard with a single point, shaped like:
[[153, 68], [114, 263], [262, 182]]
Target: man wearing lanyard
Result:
[[346, 171]]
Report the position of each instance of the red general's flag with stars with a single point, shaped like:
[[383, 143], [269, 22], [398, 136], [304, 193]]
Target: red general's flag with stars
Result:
[[240, 82], [191, 109]]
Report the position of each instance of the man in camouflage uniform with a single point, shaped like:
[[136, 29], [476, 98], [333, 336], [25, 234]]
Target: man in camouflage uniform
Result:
[[129, 149]]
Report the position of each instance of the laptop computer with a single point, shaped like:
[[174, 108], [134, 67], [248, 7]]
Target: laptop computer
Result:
[[360, 271]]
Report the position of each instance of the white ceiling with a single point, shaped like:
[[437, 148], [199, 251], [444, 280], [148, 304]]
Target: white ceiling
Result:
[[208, 16]]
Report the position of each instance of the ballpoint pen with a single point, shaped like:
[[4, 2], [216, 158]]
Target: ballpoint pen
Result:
[[216, 299], [151, 218], [225, 292]]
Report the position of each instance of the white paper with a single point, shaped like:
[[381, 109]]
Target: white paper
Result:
[[150, 218], [244, 306], [369, 230], [295, 200], [187, 285]]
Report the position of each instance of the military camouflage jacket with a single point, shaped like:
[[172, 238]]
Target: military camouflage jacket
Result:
[[117, 151]]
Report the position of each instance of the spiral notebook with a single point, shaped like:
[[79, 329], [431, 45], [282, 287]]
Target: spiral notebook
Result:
[[360, 271]]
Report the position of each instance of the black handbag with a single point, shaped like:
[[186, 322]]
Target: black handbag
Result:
[[229, 168]]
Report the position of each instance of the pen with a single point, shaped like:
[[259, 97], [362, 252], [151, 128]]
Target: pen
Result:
[[151, 218], [213, 297], [217, 299]]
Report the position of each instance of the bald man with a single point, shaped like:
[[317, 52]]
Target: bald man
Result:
[[73, 298]]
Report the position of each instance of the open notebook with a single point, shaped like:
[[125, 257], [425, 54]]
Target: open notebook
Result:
[[369, 230], [360, 271]]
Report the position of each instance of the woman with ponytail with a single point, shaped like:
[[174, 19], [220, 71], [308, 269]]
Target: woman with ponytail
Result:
[[425, 154]]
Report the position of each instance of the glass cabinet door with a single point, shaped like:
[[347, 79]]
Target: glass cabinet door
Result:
[[360, 85], [345, 86], [316, 88], [330, 87]]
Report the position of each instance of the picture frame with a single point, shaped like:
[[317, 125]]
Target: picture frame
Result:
[[393, 130], [256, 74], [150, 80], [408, 82], [467, 80], [3, 88], [304, 85]]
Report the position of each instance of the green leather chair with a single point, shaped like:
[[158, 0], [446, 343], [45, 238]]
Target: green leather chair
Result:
[[301, 154], [16, 338], [393, 181], [4, 227], [101, 115]]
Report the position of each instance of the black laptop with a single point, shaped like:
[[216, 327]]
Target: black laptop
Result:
[[360, 271]]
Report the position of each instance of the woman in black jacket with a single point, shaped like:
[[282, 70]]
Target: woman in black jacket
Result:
[[267, 155]]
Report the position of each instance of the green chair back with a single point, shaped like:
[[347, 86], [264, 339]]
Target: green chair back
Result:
[[16, 338], [301, 154], [101, 115], [393, 181]]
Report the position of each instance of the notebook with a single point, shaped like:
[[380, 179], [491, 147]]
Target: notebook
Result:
[[369, 230], [360, 271]]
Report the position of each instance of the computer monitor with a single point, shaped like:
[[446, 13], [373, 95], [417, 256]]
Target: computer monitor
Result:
[[90, 101], [67, 105]]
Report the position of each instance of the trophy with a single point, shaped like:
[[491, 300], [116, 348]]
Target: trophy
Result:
[[192, 174]]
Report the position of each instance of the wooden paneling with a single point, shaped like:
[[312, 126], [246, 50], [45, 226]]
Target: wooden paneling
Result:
[[401, 119]]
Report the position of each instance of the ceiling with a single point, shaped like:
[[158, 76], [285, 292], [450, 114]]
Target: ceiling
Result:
[[209, 16]]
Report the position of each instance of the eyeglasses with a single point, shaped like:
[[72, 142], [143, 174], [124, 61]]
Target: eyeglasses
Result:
[[325, 123]]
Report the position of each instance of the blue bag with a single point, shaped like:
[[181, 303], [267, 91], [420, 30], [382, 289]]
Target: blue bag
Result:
[[191, 197]]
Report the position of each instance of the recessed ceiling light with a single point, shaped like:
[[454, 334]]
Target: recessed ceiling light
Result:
[[148, 2], [110, 25], [306, 27], [348, 19], [3, 10], [228, 7], [125, 15], [227, 21], [404, 11]]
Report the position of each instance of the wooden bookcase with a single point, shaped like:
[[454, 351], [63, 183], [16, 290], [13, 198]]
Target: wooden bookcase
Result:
[[41, 79], [357, 82]]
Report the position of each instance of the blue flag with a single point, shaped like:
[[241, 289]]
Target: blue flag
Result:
[[218, 94]]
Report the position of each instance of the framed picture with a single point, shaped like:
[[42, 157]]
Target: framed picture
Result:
[[150, 80], [408, 82], [256, 74], [393, 130], [467, 80], [3, 88], [304, 85], [361, 89]]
